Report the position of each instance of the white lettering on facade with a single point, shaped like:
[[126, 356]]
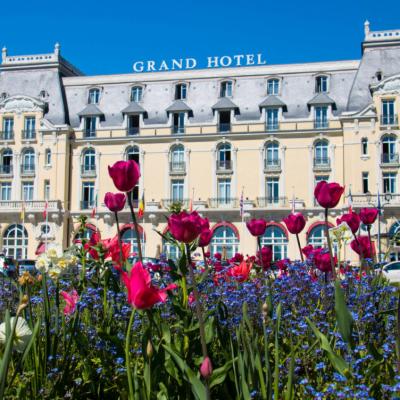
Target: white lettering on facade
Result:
[[212, 62], [259, 60], [225, 61], [238, 58], [191, 63], [138, 66], [176, 64]]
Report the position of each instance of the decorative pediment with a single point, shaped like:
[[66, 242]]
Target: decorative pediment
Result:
[[367, 112], [390, 85], [20, 103]]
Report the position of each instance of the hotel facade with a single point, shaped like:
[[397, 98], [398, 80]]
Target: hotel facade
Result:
[[269, 132]]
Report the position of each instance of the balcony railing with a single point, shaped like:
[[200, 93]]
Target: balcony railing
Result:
[[6, 170], [389, 120], [390, 158], [322, 163], [272, 165], [27, 169], [89, 133], [29, 134], [224, 127], [272, 126], [166, 203], [223, 202], [87, 204], [88, 170], [177, 167], [369, 199], [132, 131], [321, 124], [178, 129], [272, 201], [224, 165], [7, 135], [30, 206]]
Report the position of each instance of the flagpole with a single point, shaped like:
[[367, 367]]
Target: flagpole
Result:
[[47, 224], [379, 207]]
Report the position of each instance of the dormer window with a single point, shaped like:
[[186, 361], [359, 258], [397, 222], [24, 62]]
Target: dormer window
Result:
[[3, 96], [273, 87], [321, 84], [180, 91], [94, 96], [136, 94], [226, 89]]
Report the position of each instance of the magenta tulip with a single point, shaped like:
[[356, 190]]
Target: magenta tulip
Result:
[[363, 247], [352, 219], [295, 223], [256, 226], [125, 175], [115, 201], [368, 215], [205, 237], [206, 368], [322, 260], [185, 227], [266, 256], [328, 194]]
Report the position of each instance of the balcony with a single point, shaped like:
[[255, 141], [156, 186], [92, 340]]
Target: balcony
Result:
[[28, 169], [273, 165], [224, 127], [390, 160], [321, 124], [88, 171], [89, 133], [29, 206], [133, 131], [87, 204], [368, 200], [28, 134], [177, 167], [6, 170], [178, 129], [223, 202], [167, 203], [272, 202], [322, 164], [224, 167], [272, 126], [389, 120], [7, 136]]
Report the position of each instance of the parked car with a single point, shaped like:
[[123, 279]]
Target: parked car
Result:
[[26, 265], [392, 271], [7, 266]]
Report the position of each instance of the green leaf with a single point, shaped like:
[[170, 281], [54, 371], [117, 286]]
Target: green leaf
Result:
[[31, 340], [343, 317], [209, 329], [219, 374]]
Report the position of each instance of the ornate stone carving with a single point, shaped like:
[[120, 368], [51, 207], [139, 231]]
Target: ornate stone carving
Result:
[[20, 104], [388, 86]]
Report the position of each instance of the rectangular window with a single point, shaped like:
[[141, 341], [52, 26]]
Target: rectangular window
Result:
[[136, 94], [90, 127], [8, 128], [321, 117], [27, 191], [48, 157], [133, 124], [30, 126], [179, 122], [5, 191], [177, 187], [180, 92], [47, 189], [273, 87], [272, 119], [224, 121], [224, 191], [272, 190], [365, 182], [388, 114], [87, 195], [389, 182], [364, 146], [226, 89], [321, 84]]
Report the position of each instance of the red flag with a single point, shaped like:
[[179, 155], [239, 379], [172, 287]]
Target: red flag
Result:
[[46, 204]]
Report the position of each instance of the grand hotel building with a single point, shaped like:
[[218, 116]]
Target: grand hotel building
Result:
[[268, 131]]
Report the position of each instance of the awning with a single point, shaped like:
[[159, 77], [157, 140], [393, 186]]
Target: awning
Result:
[[321, 99], [133, 108], [272, 101], [225, 104], [91, 110], [178, 106]]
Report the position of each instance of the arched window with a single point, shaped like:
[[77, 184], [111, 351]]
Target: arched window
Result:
[[224, 156], [316, 236], [321, 153], [275, 237], [89, 160], [321, 84], [177, 158], [364, 146], [137, 94], [389, 153], [94, 96], [6, 161], [272, 154], [273, 86], [133, 153], [226, 89], [225, 242], [28, 160], [129, 236], [171, 251], [180, 91], [15, 242]]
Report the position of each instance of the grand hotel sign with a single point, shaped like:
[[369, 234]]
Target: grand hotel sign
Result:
[[175, 64]]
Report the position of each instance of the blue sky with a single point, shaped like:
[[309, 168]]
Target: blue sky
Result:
[[104, 37]]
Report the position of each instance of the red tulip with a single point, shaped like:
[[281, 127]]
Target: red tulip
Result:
[[283, 264], [115, 201], [256, 226], [125, 175], [205, 237], [266, 256], [240, 272], [308, 250], [204, 223], [113, 250], [141, 293], [206, 368], [322, 260], [328, 194], [185, 227], [295, 223], [237, 258], [352, 219], [368, 215], [363, 247]]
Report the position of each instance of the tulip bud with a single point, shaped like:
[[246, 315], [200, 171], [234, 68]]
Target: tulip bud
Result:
[[23, 303], [265, 311], [206, 368], [149, 349]]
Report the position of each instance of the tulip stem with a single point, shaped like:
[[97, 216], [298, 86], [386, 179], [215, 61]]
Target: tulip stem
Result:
[[370, 242], [198, 312], [129, 195], [204, 258], [298, 243], [329, 243], [127, 355], [259, 251], [119, 239]]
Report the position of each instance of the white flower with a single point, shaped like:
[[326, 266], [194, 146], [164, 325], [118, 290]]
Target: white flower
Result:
[[54, 251], [21, 336], [341, 233], [42, 263]]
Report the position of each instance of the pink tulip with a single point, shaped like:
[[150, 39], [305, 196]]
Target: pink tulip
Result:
[[205, 237], [125, 175], [185, 227], [256, 226], [328, 194], [295, 223], [141, 293], [368, 215], [240, 272], [352, 219], [71, 299], [206, 368], [363, 247], [115, 201]]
